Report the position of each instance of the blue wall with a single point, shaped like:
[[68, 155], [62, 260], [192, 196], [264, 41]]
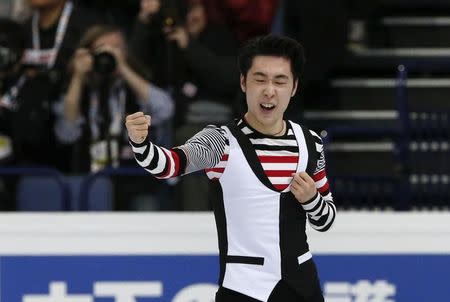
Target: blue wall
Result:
[[413, 278]]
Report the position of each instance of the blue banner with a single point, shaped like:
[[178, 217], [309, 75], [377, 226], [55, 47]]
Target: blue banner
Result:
[[385, 278], [345, 278]]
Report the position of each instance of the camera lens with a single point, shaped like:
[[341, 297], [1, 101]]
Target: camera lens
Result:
[[104, 63]]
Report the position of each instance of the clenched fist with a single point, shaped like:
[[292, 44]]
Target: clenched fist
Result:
[[137, 126], [303, 187]]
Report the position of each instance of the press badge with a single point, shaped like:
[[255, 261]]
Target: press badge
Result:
[[5, 147], [39, 57], [100, 155]]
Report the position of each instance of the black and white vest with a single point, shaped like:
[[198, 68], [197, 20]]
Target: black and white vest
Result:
[[261, 231]]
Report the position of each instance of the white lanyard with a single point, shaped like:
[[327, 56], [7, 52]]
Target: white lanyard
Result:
[[50, 58], [8, 100]]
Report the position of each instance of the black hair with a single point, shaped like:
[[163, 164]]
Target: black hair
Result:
[[272, 45]]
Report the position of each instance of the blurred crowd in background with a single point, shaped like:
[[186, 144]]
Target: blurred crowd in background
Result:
[[70, 71]]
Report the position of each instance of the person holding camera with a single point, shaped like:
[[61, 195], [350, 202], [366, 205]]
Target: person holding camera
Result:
[[189, 54], [12, 44], [195, 58], [51, 35], [105, 86]]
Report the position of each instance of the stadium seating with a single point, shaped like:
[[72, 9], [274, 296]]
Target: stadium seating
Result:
[[386, 118]]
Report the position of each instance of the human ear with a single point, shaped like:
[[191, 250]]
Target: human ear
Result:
[[243, 86], [294, 90]]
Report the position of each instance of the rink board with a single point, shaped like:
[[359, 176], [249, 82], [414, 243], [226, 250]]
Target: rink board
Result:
[[173, 257]]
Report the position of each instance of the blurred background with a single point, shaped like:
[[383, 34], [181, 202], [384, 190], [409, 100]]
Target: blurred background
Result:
[[376, 87]]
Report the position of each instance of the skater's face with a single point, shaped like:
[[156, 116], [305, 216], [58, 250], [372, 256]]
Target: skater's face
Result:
[[268, 86]]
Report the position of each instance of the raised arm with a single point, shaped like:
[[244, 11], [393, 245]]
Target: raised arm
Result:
[[202, 151], [67, 127], [82, 64]]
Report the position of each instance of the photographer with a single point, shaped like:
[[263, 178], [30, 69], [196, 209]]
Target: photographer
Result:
[[187, 53], [26, 98], [12, 44], [196, 60], [51, 35], [104, 87], [149, 43]]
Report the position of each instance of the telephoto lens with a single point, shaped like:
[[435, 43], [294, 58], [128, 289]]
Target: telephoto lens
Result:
[[104, 63]]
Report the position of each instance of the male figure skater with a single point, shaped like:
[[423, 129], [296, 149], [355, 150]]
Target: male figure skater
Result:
[[270, 175]]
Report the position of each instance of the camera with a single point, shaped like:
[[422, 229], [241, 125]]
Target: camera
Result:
[[169, 21], [171, 14], [104, 63]]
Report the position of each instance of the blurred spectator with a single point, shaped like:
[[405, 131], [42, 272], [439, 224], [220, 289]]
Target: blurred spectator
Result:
[[364, 17], [185, 53], [105, 86], [17, 10], [20, 10], [357, 26], [149, 43], [196, 60], [5, 9], [54, 31], [246, 18], [50, 38], [118, 12], [12, 44]]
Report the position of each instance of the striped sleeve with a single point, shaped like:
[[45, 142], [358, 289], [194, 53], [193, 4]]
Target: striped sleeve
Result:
[[202, 151], [205, 149], [321, 210]]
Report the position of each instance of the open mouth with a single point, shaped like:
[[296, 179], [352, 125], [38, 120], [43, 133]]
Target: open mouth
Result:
[[267, 107]]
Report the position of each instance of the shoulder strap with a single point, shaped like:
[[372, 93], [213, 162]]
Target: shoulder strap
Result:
[[312, 151]]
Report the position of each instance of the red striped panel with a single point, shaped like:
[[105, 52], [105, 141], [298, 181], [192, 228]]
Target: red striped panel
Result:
[[269, 173], [279, 173], [278, 159], [217, 170], [280, 187], [168, 165], [324, 188], [319, 175], [176, 159]]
